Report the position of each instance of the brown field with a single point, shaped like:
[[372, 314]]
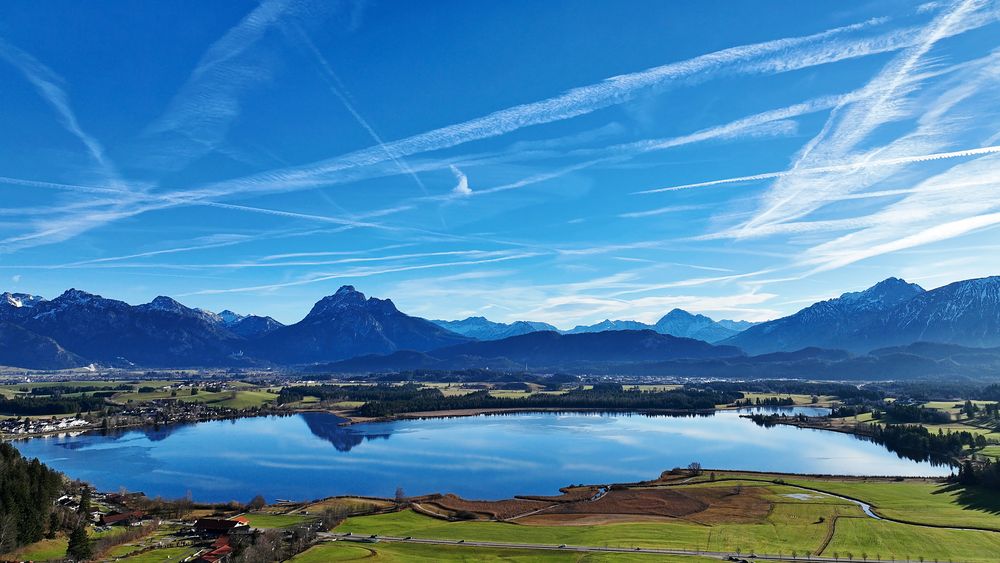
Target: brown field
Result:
[[722, 503], [732, 504], [353, 505], [493, 510], [569, 494]]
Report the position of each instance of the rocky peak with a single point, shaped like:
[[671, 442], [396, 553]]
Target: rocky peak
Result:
[[229, 318], [76, 296], [164, 303], [19, 300], [679, 314], [885, 293], [349, 299]]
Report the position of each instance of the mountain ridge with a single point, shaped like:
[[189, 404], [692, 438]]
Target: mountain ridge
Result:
[[892, 312], [884, 321]]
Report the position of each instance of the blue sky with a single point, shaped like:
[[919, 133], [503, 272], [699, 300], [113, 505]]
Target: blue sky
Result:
[[554, 161]]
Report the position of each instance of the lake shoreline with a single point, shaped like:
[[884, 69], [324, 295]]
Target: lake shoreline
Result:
[[256, 454], [462, 413]]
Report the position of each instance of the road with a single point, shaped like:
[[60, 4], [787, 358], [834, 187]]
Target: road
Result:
[[599, 549]]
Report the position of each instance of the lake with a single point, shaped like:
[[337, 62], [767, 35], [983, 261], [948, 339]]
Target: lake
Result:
[[309, 455]]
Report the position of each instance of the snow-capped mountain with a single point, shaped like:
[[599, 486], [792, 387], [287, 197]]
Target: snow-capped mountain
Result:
[[253, 326], [247, 326], [608, 324], [162, 332], [679, 322], [17, 305], [346, 324], [965, 313], [482, 328], [79, 327], [230, 318], [848, 322]]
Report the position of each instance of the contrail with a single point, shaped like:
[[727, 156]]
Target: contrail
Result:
[[833, 168], [48, 85], [820, 48], [337, 88]]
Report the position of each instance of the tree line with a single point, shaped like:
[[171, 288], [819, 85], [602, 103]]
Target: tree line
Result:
[[41, 406], [58, 390], [765, 402], [897, 413], [387, 400]]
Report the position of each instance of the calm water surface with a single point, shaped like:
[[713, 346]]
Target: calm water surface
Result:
[[309, 456]]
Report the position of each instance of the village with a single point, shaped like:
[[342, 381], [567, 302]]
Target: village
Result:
[[32, 412], [130, 524]]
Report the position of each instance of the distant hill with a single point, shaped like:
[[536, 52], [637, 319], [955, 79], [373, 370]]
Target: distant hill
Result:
[[23, 348], [482, 328], [546, 349]]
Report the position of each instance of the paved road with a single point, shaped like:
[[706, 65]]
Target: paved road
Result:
[[599, 549]]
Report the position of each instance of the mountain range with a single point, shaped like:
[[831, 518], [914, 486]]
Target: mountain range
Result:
[[482, 328], [892, 322], [677, 322], [890, 313]]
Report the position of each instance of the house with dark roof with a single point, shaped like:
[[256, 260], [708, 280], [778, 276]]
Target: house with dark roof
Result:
[[122, 518], [217, 526]]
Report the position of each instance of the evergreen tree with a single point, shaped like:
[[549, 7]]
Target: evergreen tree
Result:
[[84, 500], [54, 525], [79, 547]]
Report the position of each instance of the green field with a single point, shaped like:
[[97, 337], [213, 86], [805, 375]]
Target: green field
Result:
[[868, 538], [920, 501], [264, 520], [44, 550], [236, 399], [789, 527], [390, 552], [805, 400], [817, 525], [161, 555]]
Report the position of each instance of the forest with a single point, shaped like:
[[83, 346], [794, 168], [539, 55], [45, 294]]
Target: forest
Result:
[[28, 490]]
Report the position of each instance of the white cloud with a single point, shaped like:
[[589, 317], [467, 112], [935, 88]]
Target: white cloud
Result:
[[461, 189]]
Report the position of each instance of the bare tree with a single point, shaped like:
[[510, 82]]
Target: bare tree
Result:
[[8, 532], [257, 502]]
